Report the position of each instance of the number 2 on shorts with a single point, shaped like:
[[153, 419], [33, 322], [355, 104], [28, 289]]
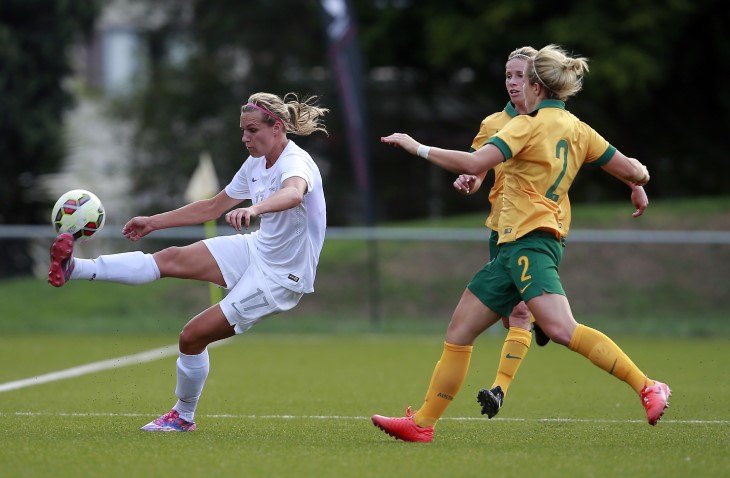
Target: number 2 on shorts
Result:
[[525, 263]]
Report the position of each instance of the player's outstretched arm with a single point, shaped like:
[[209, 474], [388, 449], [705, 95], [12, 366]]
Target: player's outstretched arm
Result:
[[191, 214], [459, 162]]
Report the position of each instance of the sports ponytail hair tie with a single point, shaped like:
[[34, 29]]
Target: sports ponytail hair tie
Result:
[[264, 110]]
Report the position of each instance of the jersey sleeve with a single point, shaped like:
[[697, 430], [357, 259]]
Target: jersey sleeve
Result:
[[599, 151], [512, 138], [238, 187], [486, 129], [295, 165]]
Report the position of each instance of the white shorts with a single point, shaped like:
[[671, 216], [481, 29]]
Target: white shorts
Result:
[[252, 295]]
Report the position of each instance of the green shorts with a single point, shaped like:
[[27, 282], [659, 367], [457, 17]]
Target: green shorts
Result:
[[493, 238], [494, 248], [523, 269]]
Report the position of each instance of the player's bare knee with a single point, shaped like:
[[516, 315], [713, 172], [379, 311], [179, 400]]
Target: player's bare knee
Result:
[[167, 260], [559, 335], [189, 341], [520, 322], [460, 334], [521, 317]]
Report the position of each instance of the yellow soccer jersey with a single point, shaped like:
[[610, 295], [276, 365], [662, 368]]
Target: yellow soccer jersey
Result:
[[488, 128], [543, 153]]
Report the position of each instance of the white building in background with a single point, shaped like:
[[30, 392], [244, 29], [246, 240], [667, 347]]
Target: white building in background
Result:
[[120, 59]]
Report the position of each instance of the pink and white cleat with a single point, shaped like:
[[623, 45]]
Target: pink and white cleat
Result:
[[62, 260], [169, 422], [655, 400]]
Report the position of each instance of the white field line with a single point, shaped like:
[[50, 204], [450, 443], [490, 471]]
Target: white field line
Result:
[[135, 359], [171, 350], [347, 417]]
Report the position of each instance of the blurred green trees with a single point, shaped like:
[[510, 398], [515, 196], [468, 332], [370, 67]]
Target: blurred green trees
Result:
[[435, 69], [35, 36], [655, 89]]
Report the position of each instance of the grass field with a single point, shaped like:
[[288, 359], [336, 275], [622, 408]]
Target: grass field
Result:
[[299, 405]]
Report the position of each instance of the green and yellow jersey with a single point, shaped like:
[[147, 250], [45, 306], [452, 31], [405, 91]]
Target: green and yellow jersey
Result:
[[543, 153], [488, 128]]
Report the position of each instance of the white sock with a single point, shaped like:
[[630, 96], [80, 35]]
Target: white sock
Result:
[[192, 370], [126, 268]]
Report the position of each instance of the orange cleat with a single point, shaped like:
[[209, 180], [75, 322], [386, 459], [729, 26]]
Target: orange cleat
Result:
[[404, 428]]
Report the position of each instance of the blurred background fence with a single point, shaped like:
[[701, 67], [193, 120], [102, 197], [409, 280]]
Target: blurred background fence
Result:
[[665, 282], [127, 96]]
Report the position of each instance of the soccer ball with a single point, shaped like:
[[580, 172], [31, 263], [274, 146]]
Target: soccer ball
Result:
[[80, 213]]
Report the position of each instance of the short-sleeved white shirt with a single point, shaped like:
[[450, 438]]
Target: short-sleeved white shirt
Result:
[[289, 242]]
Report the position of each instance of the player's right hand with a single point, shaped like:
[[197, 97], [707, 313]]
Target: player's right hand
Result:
[[465, 183], [401, 140], [137, 228]]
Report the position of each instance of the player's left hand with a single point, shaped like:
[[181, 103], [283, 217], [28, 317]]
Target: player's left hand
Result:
[[639, 199], [241, 217]]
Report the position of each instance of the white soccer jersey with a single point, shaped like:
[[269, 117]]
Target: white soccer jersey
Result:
[[289, 242]]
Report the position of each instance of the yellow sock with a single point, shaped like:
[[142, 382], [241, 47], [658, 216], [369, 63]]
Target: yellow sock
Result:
[[515, 347], [604, 353], [447, 378]]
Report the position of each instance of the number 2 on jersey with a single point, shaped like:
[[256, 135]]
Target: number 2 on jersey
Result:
[[561, 152]]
